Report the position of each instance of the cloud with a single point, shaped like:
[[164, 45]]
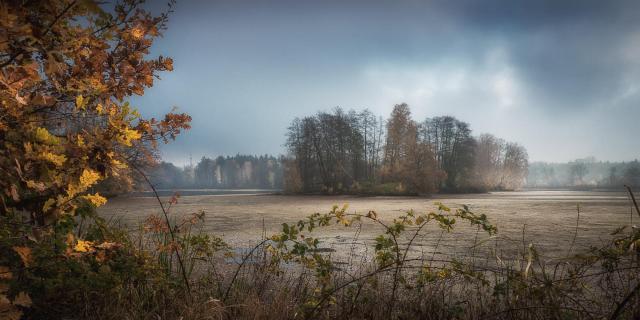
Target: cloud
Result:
[[556, 76], [449, 87]]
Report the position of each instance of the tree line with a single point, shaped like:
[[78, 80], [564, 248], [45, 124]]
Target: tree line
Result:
[[584, 173], [350, 151], [239, 171]]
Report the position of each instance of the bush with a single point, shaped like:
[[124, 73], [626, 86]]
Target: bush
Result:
[[68, 68]]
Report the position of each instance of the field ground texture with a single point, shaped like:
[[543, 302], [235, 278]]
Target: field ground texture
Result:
[[547, 219]]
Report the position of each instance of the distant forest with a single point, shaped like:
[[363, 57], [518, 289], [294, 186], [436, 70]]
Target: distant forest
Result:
[[357, 152], [584, 173], [266, 172], [240, 171]]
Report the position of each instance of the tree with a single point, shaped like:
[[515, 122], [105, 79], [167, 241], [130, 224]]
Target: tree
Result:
[[632, 174], [409, 157], [419, 168], [515, 166], [328, 149], [613, 176], [400, 127], [292, 180], [371, 134], [205, 173], [489, 156], [454, 150], [166, 175], [67, 71], [577, 171], [541, 174]]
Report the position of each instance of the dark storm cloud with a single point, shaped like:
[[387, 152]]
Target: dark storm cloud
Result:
[[559, 77], [571, 53]]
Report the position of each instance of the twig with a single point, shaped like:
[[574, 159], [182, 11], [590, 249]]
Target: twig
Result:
[[495, 315], [575, 234], [626, 300], [173, 238], [633, 199], [244, 260], [55, 20]]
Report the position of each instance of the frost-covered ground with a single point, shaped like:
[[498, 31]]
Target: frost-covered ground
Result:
[[547, 217]]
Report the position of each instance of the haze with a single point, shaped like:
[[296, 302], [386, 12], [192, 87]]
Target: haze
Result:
[[560, 78]]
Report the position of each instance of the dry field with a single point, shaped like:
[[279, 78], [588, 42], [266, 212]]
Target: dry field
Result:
[[548, 219]]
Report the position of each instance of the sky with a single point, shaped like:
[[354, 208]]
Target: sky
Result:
[[562, 78]]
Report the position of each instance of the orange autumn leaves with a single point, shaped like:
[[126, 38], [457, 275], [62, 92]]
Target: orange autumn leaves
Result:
[[67, 71], [99, 251], [65, 124], [25, 255]]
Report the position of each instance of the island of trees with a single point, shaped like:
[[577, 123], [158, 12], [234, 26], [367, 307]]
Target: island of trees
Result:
[[357, 152]]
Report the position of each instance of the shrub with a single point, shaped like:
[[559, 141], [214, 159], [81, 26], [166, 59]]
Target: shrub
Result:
[[68, 68]]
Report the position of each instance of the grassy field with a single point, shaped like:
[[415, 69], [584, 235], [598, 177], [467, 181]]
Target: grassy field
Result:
[[548, 218]]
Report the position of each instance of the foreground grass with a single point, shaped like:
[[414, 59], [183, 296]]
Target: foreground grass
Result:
[[173, 270]]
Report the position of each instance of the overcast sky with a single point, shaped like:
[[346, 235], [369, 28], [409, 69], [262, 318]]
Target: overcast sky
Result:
[[561, 78]]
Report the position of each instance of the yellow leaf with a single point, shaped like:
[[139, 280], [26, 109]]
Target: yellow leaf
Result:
[[56, 159], [48, 204], [83, 246], [129, 135], [96, 199], [137, 32], [25, 255], [80, 103], [43, 136], [118, 164], [88, 178]]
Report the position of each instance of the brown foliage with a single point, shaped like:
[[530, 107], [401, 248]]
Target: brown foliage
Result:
[[67, 68]]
